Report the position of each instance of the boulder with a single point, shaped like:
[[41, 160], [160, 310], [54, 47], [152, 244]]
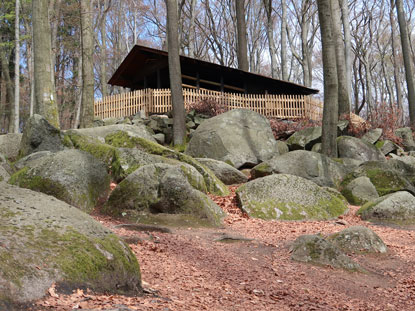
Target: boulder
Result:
[[348, 164], [46, 241], [355, 148], [407, 138], [386, 146], [372, 136], [360, 191], [307, 164], [282, 147], [160, 138], [138, 130], [305, 139], [396, 208], [358, 239], [9, 145], [161, 190], [40, 135], [72, 176], [238, 137], [121, 139], [316, 250], [226, 173], [316, 148], [405, 165], [4, 175], [385, 179], [288, 197]]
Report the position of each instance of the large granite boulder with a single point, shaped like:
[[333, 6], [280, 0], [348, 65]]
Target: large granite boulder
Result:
[[360, 191], [72, 176], [9, 145], [238, 137], [289, 197], [358, 239], [122, 140], [307, 164], [407, 138], [396, 208], [355, 148], [225, 172], [40, 135], [138, 130], [314, 249], [160, 190], [405, 165], [305, 139], [45, 241], [385, 178]]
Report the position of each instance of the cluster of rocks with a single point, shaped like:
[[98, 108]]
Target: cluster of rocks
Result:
[[160, 125], [67, 173]]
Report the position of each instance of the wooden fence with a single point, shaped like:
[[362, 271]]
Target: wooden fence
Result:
[[159, 101]]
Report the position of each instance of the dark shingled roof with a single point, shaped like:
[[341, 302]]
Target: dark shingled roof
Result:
[[146, 67]]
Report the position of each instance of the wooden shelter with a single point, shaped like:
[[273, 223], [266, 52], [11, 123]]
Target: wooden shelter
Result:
[[145, 67]]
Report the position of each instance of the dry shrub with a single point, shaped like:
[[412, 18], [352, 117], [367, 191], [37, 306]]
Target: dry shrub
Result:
[[282, 129], [208, 106]]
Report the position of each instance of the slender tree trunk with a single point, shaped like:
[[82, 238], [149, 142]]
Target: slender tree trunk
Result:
[[45, 101], [284, 62], [31, 76], [241, 32], [87, 118], [396, 73], [103, 51], [344, 100], [179, 117], [304, 43], [192, 34], [407, 60], [330, 110], [270, 37], [344, 5], [79, 94], [17, 70], [8, 110]]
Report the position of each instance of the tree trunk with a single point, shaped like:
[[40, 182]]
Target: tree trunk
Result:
[[330, 110], [103, 50], [407, 60], [241, 32], [17, 70], [45, 101], [192, 34], [396, 73], [344, 5], [284, 62], [179, 117], [270, 36], [344, 100], [87, 118], [8, 108]]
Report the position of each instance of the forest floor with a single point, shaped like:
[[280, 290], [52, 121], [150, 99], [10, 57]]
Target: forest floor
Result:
[[189, 269]]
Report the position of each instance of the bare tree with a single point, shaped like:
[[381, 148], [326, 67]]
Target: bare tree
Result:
[[407, 60], [330, 113], [17, 70], [45, 99], [87, 105], [241, 31], [179, 118]]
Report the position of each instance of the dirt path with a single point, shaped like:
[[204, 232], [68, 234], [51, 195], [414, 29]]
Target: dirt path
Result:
[[189, 269]]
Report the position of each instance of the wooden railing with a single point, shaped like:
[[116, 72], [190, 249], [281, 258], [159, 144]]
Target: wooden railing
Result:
[[159, 101]]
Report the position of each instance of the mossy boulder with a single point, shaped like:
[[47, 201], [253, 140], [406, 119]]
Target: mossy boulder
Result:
[[72, 176], [282, 147], [385, 179], [405, 165], [30, 159], [386, 146], [396, 208], [372, 136], [316, 250], [164, 189], [238, 137], [138, 130], [46, 241], [9, 145], [288, 197], [40, 135], [307, 164], [406, 135], [360, 191], [358, 239], [305, 139], [355, 148], [121, 140], [225, 172]]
